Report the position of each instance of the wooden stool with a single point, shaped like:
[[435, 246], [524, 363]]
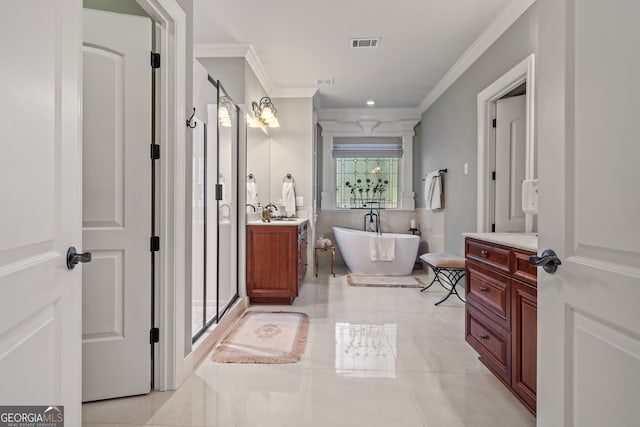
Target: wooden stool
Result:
[[451, 267], [332, 251]]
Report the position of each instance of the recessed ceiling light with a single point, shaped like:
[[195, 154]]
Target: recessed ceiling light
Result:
[[371, 102]]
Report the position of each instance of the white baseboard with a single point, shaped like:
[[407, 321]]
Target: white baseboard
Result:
[[210, 338]]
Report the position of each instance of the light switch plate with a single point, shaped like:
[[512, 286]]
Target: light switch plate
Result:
[[299, 201]]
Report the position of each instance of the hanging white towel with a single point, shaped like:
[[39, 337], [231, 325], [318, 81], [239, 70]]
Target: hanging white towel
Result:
[[382, 248], [289, 198], [433, 191], [252, 193]]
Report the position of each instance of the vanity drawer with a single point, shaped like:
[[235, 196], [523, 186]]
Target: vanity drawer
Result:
[[489, 292], [491, 342], [489, 254], [520, 267]]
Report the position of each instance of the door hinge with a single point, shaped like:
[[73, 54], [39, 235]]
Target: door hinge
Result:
[[155, 60], [154, 335], [155, 243], [218, 191], [493, 122], [493, 175], [493, 228], [155, 151]]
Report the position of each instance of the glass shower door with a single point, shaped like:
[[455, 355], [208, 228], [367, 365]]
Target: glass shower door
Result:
[[214, 210], [228, 128]]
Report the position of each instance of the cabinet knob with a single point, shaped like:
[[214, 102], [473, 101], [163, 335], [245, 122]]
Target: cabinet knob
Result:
[[484, 337], [484, 253], [483, 289]]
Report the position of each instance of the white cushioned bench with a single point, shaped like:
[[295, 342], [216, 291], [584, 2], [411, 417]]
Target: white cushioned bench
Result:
[[448, 266]]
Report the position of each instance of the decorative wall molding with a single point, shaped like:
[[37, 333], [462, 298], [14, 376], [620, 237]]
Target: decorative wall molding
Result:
[[499, 25], [355, 128], [367, 126], [379, 114], [350, 122]]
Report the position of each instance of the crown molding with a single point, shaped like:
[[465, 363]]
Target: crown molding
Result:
[[220, 50], [302, 92], [235, 50], [248, 52], [497, 27], [379, 114], [256, 65]]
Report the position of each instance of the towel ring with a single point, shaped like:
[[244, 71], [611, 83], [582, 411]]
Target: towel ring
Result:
[[288, 178]]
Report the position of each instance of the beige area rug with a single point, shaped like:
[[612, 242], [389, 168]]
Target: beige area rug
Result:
[[264, 337], [385, 281]]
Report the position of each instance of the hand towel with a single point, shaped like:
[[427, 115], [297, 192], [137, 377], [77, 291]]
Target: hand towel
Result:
[[289, 198], [382, 248], [252, 193], [433, 191]]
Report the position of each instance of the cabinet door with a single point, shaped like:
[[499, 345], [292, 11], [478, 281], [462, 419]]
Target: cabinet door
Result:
[[272, 261], [524, 327]]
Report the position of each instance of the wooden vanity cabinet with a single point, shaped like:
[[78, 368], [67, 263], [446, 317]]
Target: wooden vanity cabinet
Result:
[[501, 314], [276, 262]]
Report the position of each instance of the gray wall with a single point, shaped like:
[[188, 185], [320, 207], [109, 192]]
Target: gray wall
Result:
[[230, 72], [292, 148], [447, 135]]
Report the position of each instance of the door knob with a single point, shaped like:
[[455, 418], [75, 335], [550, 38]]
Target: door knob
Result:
[[74, 257], [548, 260]]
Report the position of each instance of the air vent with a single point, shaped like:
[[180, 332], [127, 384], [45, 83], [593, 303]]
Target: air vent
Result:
[[365, 43]]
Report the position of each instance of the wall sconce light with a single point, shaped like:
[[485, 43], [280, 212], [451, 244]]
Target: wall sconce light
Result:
[[224, 117], [265, 112]]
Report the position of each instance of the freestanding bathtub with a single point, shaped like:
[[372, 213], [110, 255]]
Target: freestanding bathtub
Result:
[[354, 247]]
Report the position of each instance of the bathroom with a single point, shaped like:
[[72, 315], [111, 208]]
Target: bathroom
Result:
[[152, 304]]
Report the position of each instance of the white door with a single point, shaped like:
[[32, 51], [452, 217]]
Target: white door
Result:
[[116, 213], [510, 163], [40, 299], [589, 213]]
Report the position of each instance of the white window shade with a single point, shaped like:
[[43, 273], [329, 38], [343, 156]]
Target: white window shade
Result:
[[367, 147]]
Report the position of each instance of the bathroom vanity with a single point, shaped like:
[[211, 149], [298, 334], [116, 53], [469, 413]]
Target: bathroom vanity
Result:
[[501, 308], [276, 260]]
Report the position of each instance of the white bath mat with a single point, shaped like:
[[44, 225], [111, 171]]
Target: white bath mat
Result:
[[384, 281]]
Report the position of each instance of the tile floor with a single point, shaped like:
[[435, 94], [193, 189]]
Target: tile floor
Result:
[[375, 357]]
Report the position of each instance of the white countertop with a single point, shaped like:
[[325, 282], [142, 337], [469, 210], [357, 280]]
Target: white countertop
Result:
[[288, 221], [525, 241]]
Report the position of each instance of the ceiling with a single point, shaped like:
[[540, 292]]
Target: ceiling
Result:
[[299, 42]]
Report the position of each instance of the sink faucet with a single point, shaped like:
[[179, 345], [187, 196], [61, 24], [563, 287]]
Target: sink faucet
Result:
[[252, 206], [266, 212]]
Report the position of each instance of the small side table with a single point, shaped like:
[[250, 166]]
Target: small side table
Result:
[[332, 251]]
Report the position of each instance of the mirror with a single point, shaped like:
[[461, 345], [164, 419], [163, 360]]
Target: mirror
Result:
[[258, 167]]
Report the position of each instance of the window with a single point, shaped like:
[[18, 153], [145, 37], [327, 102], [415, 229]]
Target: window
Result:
[[363, 180], [367, 171]]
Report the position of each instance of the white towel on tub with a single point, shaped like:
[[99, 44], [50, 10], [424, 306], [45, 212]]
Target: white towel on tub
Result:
[[382, 248]]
